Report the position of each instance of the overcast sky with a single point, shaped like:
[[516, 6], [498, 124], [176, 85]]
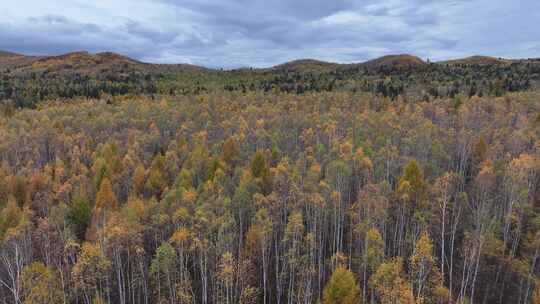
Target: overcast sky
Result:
[[260, 33]]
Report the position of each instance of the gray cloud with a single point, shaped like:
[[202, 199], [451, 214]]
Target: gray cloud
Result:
[[48, 34], [237, 33], [138, 29]]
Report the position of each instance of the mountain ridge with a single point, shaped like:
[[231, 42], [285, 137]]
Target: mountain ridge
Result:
[[8, 54], [302, 64], [479, 60]]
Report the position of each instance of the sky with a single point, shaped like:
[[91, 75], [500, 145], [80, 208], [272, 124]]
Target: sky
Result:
[[262, 33]]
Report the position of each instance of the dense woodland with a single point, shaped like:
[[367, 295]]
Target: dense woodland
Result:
[[27, 81], [253, 196]]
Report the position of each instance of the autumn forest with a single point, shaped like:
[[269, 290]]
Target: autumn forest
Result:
[[395, 181]]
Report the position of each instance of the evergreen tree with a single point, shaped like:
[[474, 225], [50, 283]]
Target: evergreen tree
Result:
[[341, 288]]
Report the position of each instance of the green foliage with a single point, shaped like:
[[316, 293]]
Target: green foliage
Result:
[[10, 217], [230, 151], [41, 285], [411, 185], [110, 76], [164, 260], [100, 171], [80, 212], [374, 249], [390, 284], [261, 171], [341, 288], [163, 271], [157, 180], [91, 270], [258, 165]]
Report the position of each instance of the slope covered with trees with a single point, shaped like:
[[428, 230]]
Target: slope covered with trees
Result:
[[390, 181], [232, 197], [26, 81]]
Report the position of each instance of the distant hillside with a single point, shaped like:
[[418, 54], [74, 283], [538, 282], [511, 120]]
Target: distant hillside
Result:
[[86, 63], [12, 60], [8, 54], [477, 60], [306, 65], [27, 80], [395, 61], [402, 61], [81, 62]]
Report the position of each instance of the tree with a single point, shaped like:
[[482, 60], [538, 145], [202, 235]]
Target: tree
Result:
[[260, 171], [16, 247], [157, 180], [41, 285], [444, 189], [79, 215], [293, 244], [260, 233], [90, 272], [389, 284], [181, 240], [411, 191], [105, 197], [163, 271], [373, 254], [258, 165], [226, 275], [250, 295], [414, 178], [105, 202], [425, 276], [138, 180], [536, 293], [122, 244], [479, 153], [341, 288], [230, 151]]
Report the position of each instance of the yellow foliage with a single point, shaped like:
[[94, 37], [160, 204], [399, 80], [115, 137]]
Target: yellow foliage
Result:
[[190, 196], [180, 236], [40, 284], [341, 288], [390, 284]]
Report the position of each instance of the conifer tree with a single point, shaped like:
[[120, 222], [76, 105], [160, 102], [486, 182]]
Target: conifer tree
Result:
[[105, 202], [341, 288]]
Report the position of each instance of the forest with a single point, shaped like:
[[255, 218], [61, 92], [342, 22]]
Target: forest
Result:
[[26, 81], [309, 182]]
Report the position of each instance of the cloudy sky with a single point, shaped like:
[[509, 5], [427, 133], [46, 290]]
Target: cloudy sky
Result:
[[260, 33]]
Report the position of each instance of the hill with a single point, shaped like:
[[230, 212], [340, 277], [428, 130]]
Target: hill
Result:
[[86, 63], [402, 61], [13, 60], [8, 54], [306, 65], [28, 80], [81, 62], [477, 60]]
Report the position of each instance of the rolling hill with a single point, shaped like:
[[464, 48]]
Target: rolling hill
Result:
[[8, 54], [402, 61], [14, 60], [306, 65], [478, 60], [31, 79], [84, 62]]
